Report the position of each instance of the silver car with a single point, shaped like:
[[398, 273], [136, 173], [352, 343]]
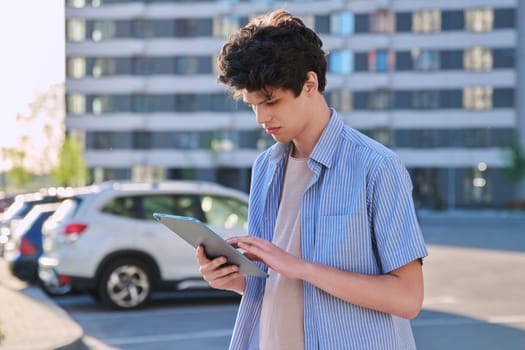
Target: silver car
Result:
[[107, 242]]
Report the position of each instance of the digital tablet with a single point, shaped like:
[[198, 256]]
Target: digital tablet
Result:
[[197, 233]]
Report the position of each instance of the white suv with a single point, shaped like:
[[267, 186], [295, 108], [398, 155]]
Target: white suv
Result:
[[107, 242]]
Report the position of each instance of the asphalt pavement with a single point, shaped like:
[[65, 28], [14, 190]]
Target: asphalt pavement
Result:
[[474, 291]]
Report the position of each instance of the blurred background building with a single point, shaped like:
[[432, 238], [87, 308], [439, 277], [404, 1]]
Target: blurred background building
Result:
[[434, 80]]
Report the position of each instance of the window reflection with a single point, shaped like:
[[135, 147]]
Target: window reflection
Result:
[[426, 21], [425, 60], [382, 21], [477, 97], [479, 20], [478, 59], [76, 29], [76, 103]]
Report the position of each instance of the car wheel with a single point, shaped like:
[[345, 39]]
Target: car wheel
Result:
[[125, 284]]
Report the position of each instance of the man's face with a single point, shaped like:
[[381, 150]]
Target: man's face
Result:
[[283, 115]]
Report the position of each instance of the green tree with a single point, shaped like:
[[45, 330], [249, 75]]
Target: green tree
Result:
[[18, 177], [71, 169], [515, 171]]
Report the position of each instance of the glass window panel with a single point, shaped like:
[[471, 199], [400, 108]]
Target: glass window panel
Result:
[[101, 104], [382, 21], [102, 140], [362, 23], [451, 59], [477, 97], [479, 20], [322, 24], [223, 26], [225, 211], [343, 23], [380, 100], [425, 60], [143, 28], [141, 140], [141, 103], [76, 67], [102, 67], [76, 3], [103, 30], [341, 99], [341, 62], [452, 20], [427, 21], [126, 206], [504, 58], [504, 18], [76, 103], [76, 29], [403, 61], [477, 59], [186, 140], [142, 66], [425, 99], [403, 22], [503, 98]]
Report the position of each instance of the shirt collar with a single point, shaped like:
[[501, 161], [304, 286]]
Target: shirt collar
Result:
[[325, 147]]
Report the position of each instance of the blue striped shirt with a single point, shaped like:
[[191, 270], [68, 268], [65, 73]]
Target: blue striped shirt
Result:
[[359, 187]]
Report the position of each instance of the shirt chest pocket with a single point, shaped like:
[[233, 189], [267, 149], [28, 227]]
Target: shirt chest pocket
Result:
[[344, 242]]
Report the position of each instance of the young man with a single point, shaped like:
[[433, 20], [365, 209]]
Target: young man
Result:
[[331, 215]]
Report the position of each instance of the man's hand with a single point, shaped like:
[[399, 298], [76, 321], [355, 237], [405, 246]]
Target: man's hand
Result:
[[219, 276], [277, 259]]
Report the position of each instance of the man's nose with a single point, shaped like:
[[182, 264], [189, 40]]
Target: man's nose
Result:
[[261, 115]]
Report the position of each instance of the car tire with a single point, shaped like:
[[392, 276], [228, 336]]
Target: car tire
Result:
[[125, 284]]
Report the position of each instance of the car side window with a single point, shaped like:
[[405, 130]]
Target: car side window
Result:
[[225, 211], [185, 205], [129, 207]]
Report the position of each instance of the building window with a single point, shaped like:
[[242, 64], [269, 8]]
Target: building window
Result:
[[382, 21], [477, 185], [428, 21], [381, 61], [223, 26], [76, 29], [141, 172], [343, 24], [479, 20], [141, 140], [322, 24], [477, 59], [102, 67], [425, 60], [425, 99], [103, 140], [76, 3], [76, 103], [477, 97], [341, 100], [380, 100], [101, 104], [103, 30], [141, 103], [76, 67], [341, 62]]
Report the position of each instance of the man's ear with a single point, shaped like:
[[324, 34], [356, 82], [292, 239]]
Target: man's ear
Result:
[[311, 83]]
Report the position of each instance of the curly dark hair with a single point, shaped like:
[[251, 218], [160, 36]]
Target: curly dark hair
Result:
[[273, 50]]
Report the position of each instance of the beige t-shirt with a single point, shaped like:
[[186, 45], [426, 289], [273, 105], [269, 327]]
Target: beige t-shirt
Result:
[[281, 323]]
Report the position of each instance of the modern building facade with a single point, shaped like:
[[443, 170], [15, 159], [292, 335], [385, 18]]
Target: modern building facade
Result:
[[434, 80]]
